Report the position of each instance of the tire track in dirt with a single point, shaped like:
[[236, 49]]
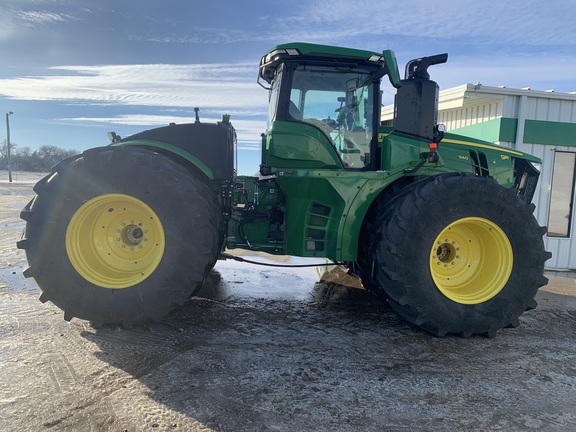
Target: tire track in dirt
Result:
[[61, 372]]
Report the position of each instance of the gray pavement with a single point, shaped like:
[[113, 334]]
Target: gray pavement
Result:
[[270, 350]]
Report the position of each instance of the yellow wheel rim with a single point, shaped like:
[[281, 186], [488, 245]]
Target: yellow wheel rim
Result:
[[471, 260], [115, 241]]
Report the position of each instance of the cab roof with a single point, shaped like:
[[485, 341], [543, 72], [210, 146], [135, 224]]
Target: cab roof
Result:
[[297, 51]]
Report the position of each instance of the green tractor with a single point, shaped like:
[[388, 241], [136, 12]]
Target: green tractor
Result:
[[437, 225]]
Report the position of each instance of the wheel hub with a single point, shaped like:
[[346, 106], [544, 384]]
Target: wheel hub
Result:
[[131, 236], [447, 252]]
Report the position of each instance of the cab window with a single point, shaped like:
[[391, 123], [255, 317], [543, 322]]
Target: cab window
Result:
[[339, 103]]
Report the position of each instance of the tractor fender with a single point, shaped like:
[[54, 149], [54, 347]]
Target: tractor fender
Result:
[[171, 151], [372, 193], [210, 147]]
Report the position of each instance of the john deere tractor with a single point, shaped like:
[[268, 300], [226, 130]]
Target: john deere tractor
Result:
[[437, 225]]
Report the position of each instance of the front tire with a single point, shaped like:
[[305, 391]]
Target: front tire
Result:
[[121, 235], [458, 254]]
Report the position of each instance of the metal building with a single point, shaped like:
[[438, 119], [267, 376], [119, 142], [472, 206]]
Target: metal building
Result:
[[542, 123]]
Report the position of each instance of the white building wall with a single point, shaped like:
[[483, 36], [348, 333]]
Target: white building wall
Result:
[[470, 115], [510, 106], [556, 110]]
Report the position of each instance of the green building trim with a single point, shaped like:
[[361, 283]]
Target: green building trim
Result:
[[550, 133], [535, 132]]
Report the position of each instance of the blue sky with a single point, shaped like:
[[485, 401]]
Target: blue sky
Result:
[[72, 70]]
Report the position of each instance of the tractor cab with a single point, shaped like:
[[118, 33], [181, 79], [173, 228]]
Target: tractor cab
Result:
[[324, 109]]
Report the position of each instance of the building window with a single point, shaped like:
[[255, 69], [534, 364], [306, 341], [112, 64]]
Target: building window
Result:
[[562, 193]]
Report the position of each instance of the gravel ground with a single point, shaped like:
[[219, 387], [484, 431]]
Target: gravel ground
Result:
[[264, 349]]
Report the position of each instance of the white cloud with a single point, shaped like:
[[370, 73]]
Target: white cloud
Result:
[[212, 87], [44, 17]]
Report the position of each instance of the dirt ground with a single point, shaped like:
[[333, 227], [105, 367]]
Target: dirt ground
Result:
[[265, 349]]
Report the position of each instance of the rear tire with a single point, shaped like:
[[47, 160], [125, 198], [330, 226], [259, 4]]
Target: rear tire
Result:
[[457, 254], [121, 235]]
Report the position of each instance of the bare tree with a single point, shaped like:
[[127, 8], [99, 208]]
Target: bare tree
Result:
[[41, 160], [4, 149]]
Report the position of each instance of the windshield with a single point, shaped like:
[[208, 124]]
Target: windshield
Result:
[[338, 102]]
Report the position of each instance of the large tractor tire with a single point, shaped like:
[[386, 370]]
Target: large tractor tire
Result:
[[120, 235], [456, 254]]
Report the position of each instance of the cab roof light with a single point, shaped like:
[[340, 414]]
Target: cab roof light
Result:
[[376, 58], [289, 51]]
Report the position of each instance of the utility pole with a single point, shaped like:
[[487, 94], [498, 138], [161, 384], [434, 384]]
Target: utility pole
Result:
[[8, 145]]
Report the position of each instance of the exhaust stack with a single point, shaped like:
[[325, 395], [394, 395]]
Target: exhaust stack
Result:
[[416, 102]]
